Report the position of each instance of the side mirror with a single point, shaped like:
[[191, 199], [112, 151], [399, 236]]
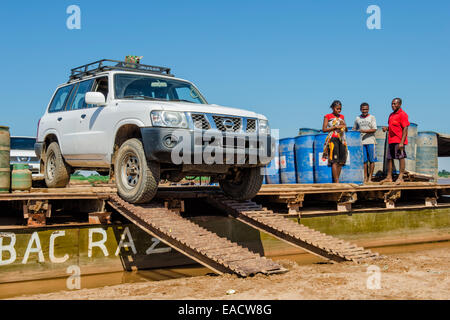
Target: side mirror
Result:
[[95, 98]]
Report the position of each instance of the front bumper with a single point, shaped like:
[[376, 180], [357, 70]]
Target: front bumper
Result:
[[169, 145]]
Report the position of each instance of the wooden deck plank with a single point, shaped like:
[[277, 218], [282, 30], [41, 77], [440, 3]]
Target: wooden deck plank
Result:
[[284, 190]]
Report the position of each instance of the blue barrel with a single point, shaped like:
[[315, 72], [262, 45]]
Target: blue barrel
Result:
[[411, 150], [304, 158], [427, 153], [272, 170], [353, 170], [307, 131], [380, 149], [322, 172], [287, 161]]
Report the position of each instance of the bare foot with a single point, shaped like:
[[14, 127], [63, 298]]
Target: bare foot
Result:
[[386, 180], [399, 181]]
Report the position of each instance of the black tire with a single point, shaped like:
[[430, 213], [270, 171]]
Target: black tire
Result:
[[136, 178], [56, 170], [248, 186]]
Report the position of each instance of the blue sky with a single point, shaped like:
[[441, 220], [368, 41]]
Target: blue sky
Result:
[[285, 59]]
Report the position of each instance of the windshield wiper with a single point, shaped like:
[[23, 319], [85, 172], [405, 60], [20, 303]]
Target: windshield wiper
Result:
[[178, 100], [143, 97]]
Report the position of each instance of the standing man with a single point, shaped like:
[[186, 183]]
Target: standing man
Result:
[[397, 138], [367, 125]]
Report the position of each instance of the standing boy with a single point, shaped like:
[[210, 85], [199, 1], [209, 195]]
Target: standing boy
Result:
[[397, 138], [367, 125]]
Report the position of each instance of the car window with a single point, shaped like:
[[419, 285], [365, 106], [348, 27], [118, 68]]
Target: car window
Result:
[[100, 85], [78, 100], [22, 143], [186, 94], [139, 87], [60, 98]]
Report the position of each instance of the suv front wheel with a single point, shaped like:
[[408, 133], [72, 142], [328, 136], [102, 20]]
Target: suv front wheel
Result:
[[56, 170], [136, 178], [245, 184]]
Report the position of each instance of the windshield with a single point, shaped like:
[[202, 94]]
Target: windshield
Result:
[[23, 143], [139, 87]]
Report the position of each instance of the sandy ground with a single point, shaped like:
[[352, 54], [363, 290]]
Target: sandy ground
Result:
[[416, 275]]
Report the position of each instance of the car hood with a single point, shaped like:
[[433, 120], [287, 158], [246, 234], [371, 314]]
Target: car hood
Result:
[[22, 153], [209, 108]]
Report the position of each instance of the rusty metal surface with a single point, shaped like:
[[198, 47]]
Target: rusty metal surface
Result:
[[313, 241], [201, 245], [99, 217]]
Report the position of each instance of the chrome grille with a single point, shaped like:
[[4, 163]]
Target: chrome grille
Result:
[[219, 121], [200, 121], [251, 125]]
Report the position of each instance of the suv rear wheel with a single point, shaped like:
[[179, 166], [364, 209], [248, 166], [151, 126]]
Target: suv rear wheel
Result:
[[245, 186], [136, 178], [56, 170]]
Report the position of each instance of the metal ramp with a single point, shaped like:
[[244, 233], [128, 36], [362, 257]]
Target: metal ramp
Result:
[[199, 244], [313, 241]]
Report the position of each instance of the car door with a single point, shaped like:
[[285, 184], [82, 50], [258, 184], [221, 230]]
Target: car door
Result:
[[94, 129], [53, 119], [76, 106]]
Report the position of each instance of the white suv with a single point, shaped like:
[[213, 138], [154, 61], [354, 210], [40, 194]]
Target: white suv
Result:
[[22, 152], [135, 122]]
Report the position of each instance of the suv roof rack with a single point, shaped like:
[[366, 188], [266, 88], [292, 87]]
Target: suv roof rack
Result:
[[106, 64]]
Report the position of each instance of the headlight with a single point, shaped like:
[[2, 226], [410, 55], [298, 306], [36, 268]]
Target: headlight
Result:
[[170, 119], [264, 127]]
